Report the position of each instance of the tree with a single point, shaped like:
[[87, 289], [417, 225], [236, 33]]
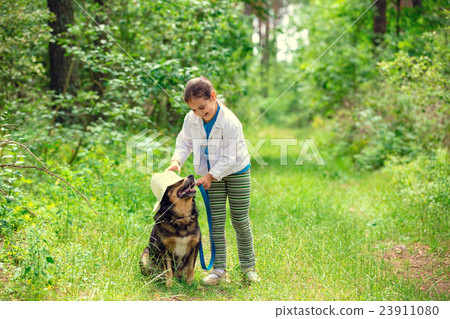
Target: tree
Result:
[[397, 32], [417, 3], [98, 77], [63, 69], [379, 22]]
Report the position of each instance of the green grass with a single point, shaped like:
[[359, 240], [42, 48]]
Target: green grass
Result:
[[319, 233]]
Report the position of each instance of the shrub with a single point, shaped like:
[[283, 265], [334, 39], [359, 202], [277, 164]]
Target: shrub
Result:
[[403, 112], [423, 187]]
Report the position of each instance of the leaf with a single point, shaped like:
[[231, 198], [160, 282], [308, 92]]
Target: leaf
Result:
[[50, 260]]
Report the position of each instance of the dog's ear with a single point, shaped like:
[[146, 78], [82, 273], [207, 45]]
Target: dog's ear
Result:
[[163, 208], [158, 214]]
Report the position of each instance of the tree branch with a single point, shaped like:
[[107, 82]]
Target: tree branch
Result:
[[25, 147]]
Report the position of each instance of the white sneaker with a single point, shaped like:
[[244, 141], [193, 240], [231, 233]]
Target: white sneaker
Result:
[[250, 275], [214, 278]]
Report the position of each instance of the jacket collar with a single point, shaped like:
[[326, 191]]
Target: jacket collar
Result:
[[220, 120]]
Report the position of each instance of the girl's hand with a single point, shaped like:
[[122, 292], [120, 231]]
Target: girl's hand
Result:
[[175, 165], [205, 181]]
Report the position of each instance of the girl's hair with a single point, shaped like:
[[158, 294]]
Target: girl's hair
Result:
[[198, 87]]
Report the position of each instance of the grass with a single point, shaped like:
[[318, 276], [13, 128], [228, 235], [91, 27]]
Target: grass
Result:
[[320, 233]]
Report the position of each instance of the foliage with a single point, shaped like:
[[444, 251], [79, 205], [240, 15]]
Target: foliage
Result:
[[153, 59], [12, 213], [24, 34], [405, 112], [132, 78], [388, 106], [335, 57], [67, 252], [423, 188]]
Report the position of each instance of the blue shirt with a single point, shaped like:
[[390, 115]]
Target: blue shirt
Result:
[[208, 126]]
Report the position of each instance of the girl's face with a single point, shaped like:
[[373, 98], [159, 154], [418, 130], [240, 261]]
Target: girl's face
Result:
[[204, 108]]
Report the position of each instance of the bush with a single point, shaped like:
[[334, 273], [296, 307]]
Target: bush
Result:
[[423, 187], [402, 113]]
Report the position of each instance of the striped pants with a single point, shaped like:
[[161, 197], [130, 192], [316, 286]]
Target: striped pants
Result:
[[237, 188]]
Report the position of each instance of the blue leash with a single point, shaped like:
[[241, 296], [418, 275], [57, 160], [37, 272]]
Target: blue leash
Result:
[[205, 196]]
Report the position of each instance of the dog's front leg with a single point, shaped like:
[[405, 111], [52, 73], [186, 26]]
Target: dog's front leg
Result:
[[191, 265], [144, 263], [168, 270]]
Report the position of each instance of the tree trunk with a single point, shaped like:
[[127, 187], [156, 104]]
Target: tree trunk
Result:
[[63, 69], [267, 45], [276, 9], [379, 22], [247, 9], [98, 77], [260, 31], [265, 57], [398, 18]]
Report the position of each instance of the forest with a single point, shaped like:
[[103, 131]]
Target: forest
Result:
[[345, 110]]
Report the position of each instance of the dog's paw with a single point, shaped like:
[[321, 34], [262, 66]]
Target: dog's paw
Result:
[[190, 276]]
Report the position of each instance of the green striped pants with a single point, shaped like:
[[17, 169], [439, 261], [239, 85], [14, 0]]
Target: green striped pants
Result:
[[237, 188]]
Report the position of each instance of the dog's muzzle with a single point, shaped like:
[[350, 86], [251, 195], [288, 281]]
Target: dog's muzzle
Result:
[[187, 189]]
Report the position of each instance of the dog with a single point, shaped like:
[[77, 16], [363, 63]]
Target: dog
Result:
[[175, 238]]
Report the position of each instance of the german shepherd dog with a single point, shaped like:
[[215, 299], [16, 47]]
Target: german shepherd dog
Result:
[[175, 237]]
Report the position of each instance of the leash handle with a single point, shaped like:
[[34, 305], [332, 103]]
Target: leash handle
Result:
[[205, 196]]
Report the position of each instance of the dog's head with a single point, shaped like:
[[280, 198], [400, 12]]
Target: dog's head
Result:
[[179, 197], [183, 189]]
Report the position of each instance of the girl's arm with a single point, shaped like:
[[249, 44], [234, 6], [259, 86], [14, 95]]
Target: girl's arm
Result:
[[183, 146]]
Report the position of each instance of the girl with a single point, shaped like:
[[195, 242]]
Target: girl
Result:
[[214, 134]]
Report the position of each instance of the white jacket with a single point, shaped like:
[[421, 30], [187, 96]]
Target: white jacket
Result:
[[226, 144]]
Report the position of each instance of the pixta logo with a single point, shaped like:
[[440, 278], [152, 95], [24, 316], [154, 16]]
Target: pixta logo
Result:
[[143, 149]]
